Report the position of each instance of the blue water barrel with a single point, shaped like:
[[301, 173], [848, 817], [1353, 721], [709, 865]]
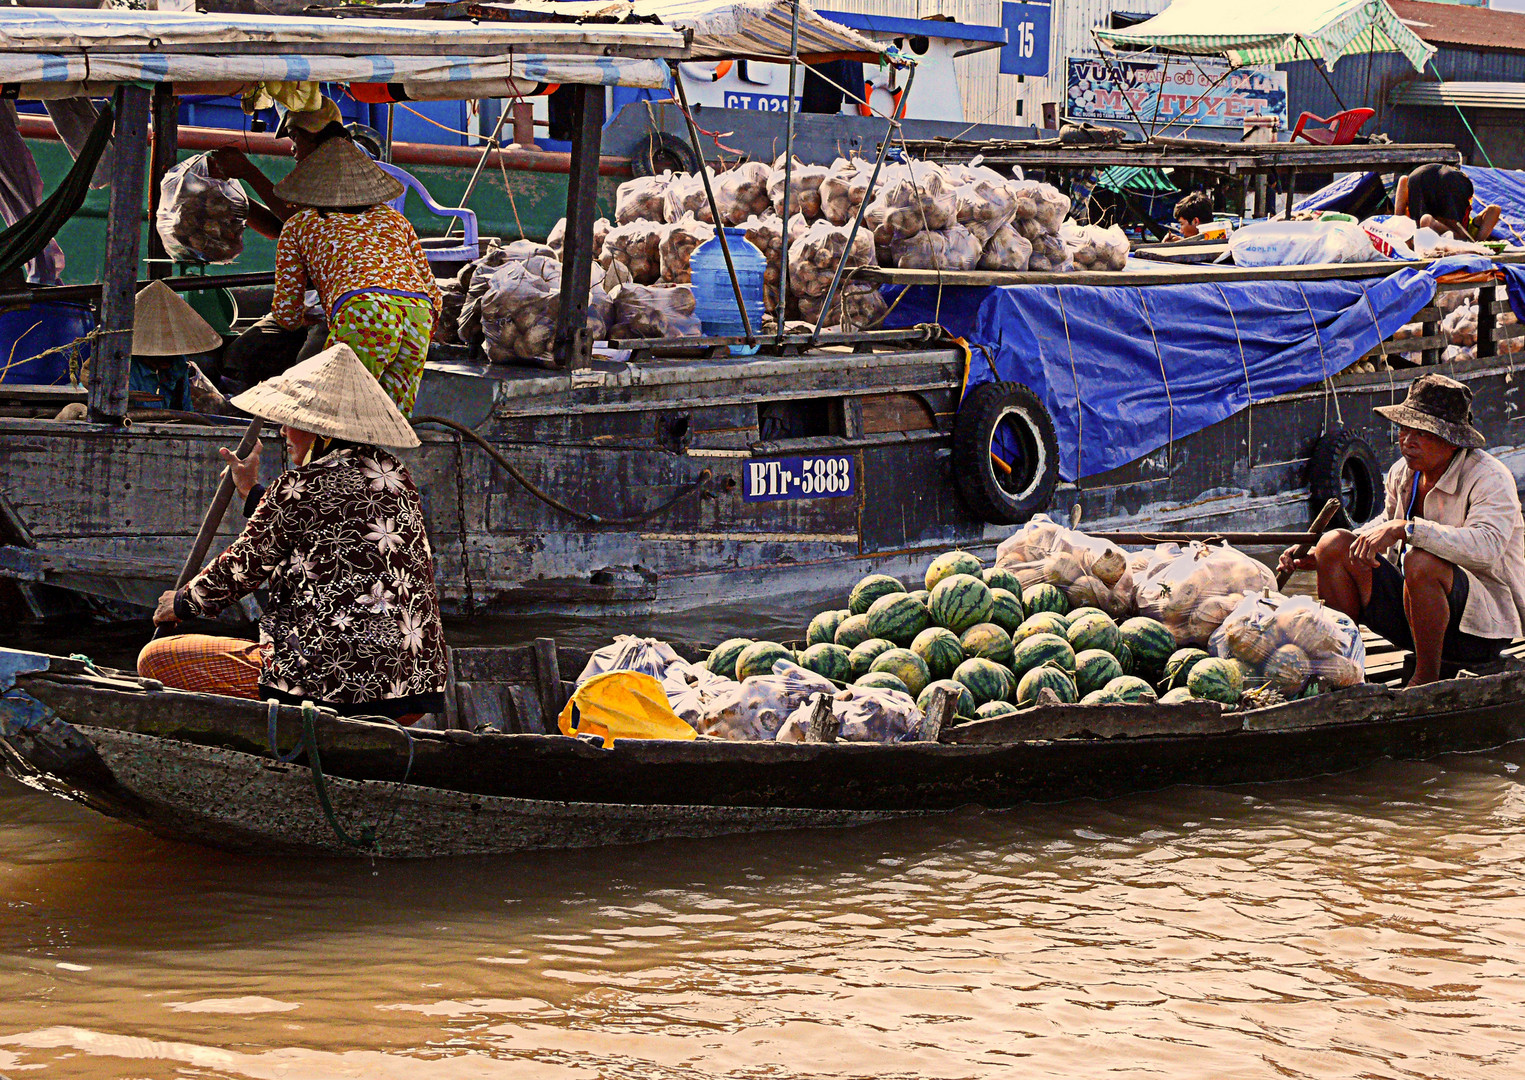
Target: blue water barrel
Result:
[[715, 300], [25, 332]]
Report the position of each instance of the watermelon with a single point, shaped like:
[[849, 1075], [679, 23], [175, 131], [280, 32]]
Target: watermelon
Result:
[[1006, 609], [1042, 649], [1042, 622], [920, 594], [824, 626], [940, 649], [1075, 614], [1093, 632], [723, 657], [1045, 598], [950, 563], [992, 709], [759, 658], [966, 705], [984, 679], [1101, 697], [862, 657], [1125, 658], [1151, 643], [897, 617], [870, 589], [1216, 679], [1177, 696], [959, 602], [989, 641], [853, 632], [998, 577], [1094, 668], [882, 680], [1132, 689], [831, 661], [1179, 666], [1048, 676], [905, 666]]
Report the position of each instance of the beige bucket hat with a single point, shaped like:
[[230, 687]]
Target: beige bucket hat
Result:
[[1440, 405], [331, 394], [163, 324], [338, 173]]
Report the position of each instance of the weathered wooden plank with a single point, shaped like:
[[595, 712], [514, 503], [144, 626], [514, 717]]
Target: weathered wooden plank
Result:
[[573, 345], [111, 359], [1096, 721], [822, 726], [547, 683]]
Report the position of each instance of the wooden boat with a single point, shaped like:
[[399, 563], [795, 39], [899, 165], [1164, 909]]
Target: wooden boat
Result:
[[207, 769]]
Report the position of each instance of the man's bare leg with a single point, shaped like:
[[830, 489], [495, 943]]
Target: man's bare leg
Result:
[[1343, 583], [1484, 224], [1427, 604]]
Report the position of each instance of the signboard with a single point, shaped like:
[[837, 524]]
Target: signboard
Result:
[[758, 102], [827, 476], [1173, 92], [1026, 48]]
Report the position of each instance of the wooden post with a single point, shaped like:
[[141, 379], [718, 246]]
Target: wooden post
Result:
[[941, 712], [822, 727], [573, 348], [166, 141], [111, 358], [524, 123], [1487, 320]]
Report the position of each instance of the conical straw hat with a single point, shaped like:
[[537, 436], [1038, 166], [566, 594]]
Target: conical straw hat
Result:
[[338, 173], [163, 324], [331, 394]]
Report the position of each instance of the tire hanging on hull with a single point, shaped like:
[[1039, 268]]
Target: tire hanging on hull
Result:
[[1344, 467], [1005, 453]]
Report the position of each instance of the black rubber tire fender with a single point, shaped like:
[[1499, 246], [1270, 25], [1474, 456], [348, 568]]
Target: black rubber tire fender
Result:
[[1344, 467], [660, 152], [988, 491]]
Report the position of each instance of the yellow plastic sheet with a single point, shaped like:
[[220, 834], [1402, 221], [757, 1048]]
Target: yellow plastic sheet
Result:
[[622, 705], [295, 96]]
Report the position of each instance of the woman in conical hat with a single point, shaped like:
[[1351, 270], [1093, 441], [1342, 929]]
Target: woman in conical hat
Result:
[[166, 333], [352, 620], [374, 284]]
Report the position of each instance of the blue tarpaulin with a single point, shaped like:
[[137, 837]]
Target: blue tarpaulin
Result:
[[1350, 190], [1506, 189], [1125, 370]]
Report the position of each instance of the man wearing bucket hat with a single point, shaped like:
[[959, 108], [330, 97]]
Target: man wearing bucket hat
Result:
[[1441, 570], [352, 619]]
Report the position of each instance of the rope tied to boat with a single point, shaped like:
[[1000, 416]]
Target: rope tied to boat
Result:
[[367, 839]]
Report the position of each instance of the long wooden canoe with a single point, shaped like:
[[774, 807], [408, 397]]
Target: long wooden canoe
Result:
[[202, 768]]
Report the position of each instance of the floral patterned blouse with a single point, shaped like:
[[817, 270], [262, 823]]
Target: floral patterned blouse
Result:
[[344, 255], [352, 615]]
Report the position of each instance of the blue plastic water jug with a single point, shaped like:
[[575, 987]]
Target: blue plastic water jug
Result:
[[715, 300], [25, 332]]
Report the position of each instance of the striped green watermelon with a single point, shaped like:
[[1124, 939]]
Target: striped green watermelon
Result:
[[940, 649], [870, 589], [759, 658], [989, 641], [1042, 622], [853, 632], [1075, 614], [1132, 689], [1048, 676], [1179, 666], [998, 577], [723, 657], [1045, 598], [832, 661], [966, 705], [1216, 679], [1177, 696], [1042, 649], [959, 602], [898, 617], [985, 680], [862, 657], [953, 562], [992, 709], [905, 666], [1151, 643], [1094, 668], [1006, 609], [1093, 632], [1101, 697], [824, 626], [1125, 658], [920, 594], [882, 680]]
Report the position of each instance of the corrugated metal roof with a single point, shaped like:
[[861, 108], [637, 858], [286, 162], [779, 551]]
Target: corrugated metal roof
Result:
[[1458, 25], [1489, 95]]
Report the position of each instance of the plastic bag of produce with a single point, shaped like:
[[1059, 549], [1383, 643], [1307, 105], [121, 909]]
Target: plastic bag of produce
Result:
[[1286, 642], [452, 299], [677, 246], [201, 219], [1050, 255], [759, 706], [1460, 326], [638, 246], [641, 199], [686, 198], [844, 189], [743, 191], [653, 311], [857, 306], [1007, 249], [863, 714], [628, 652], [938, 249], [1195, 589], [984, 202], [519, 309], [804, 189], [1090, 572], [766, 233], [692, 688], [908, 201], [1094, 248], [1297, 243], [813, 258]]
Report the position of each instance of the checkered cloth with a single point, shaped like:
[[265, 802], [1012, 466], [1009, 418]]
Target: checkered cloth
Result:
[[203, 664]]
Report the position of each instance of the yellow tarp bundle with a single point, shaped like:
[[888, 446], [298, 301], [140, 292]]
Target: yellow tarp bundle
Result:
[[622, 705]]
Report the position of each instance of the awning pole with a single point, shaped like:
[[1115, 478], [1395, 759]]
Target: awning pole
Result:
[[572, 347], [111, 358], [783, 259]]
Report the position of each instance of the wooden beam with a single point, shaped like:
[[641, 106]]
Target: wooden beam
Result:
[[111, 359], [573, 347], [166, 111]]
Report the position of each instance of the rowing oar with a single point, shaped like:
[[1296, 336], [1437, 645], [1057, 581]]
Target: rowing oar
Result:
[[214, 515], [1320, 523]]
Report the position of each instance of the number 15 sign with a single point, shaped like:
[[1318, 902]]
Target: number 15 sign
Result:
[[1026, 48]]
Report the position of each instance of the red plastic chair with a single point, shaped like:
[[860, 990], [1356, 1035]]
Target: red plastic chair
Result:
[[1337, 130]]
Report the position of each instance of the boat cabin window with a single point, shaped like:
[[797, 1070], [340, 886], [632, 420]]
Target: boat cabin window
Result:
[[798, 419]]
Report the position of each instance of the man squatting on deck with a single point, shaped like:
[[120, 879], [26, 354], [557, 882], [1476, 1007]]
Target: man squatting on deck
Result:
[[1452, 524], [352, 619]]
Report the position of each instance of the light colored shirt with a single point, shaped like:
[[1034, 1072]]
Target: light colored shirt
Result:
[[1471, 519]]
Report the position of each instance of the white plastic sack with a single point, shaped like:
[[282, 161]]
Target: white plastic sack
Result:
[[758, 707], [863, 714], [630, 653], [201, 219], [1286, 641], [1300, 243], [692, 689]]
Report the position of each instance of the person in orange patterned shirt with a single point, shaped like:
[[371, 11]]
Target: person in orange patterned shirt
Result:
[[373, 282]]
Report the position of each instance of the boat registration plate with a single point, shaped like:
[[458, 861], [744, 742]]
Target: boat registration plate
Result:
[[825, 477]]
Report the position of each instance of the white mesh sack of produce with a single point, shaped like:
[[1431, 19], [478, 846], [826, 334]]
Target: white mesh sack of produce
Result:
[[1090, 572], [691, 691], [201, 219], [630, 653], [1007, 249], [653, 311], [1193, 590], [558, 238], [1288, 642], [1093, 248], [844, 189], [863, 714], [677, 245], [743, 191], [766, 233], [641, 199], [638, 246], [813, 258], [856, 306], [686, 198], [758, 707], [910, 198], [954, 248], [804, 189], [985, 202]]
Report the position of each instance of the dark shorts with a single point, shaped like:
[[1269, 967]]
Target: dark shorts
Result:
[[1441, 190], [1385, 615]]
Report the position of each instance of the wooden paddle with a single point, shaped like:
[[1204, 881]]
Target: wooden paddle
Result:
[[1320, 524], [213, 519]]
